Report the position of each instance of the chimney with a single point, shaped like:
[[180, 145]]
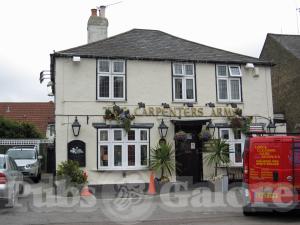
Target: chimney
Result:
[[102, 11], [97, 25], [94, 12]]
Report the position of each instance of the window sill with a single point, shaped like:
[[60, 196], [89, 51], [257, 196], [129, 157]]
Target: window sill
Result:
[[183, 102], [122, 169], [111, 100], [230, 102]]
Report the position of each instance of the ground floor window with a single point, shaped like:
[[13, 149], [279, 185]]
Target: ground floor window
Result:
[[118, 150], [235, 139]]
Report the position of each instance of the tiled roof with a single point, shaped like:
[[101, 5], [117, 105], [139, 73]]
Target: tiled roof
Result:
[[156, 45], [289, 42], [39, 113]]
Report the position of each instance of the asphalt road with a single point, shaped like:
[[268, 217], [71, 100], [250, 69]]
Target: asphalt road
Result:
[[40, 206]]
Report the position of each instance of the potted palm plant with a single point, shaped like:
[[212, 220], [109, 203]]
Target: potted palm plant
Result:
[[162, 161], [217, 154]]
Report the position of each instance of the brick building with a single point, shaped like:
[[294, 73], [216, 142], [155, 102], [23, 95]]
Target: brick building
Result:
[[284, 52]]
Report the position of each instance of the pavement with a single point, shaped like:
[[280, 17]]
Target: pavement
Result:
[[39, 205]]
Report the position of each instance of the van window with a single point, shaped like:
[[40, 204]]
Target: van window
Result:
[[24, 154]]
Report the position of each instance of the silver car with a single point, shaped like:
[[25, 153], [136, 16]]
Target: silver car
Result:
[[27, 160], [11, 181]]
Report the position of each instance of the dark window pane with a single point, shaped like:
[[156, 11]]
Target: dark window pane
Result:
[[118, 87], [225, 134], [119, 67], [189, 89], [117, 135], [144, 150], [238, 152], [235, 89], [103, 155], [131, 135], [222, 70], [237, 134], [104, 66], [178, 88], [103, 135], [104, 86], [223, 89], [178, 68], [131, 155], [189, 69], [118, 155], [144, 136]]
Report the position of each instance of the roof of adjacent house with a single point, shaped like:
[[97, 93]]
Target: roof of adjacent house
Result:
[[289, 42], [38, 113], [144, 44]]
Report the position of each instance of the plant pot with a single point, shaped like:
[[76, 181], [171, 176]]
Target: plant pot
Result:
[[221, 185]]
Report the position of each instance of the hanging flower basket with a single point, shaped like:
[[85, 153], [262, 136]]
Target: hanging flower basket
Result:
[[180, 136], [204, 135]]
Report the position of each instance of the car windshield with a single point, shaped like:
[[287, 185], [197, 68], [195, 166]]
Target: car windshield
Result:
[[2, 162], [24, 154]]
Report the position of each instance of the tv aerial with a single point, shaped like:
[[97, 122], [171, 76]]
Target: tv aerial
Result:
[[115, 3]]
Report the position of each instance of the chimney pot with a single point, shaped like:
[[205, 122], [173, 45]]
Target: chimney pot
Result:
[[102, 11], [94, 12]]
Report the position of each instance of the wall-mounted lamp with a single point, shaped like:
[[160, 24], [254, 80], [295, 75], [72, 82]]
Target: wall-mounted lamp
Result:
[[165, 105], [76, 58], [271, 126], [141, 105], [210, 105], [188, 104], [76, 127], [163, 130], [211, 127], [249, 66]]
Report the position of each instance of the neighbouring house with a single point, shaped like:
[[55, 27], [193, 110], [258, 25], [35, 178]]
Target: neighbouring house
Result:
[[284, 52], [41, 114], [162, 80]]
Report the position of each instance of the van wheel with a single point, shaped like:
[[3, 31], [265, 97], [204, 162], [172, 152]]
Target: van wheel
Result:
[[247, 211], [37, 178]]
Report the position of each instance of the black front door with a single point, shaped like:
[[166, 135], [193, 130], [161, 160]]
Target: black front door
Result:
[[189, 153]]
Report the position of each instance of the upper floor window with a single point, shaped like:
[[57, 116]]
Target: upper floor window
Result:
[[183, 82], [111, 80], [229, 83]]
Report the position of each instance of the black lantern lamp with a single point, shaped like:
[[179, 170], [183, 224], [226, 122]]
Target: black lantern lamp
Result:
[[271, 126], [76, 127], [211, 127], [163, 130]]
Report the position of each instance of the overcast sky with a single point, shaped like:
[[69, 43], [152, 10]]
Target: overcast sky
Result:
[[32, 29]]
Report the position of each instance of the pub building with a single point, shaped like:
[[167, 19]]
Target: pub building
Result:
[[168, 84]]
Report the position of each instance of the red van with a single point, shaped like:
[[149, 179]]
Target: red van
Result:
[[271, 173]]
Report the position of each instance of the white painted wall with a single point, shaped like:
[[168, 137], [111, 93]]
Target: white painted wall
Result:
[[149, 82]]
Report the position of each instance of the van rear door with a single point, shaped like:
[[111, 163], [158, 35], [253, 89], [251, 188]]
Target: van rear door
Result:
[[296, 172], [271, 170]]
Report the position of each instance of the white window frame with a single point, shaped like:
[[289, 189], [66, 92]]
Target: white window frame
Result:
[[231, 141], [124, 143], [183, 77], [228, 79], [111, 75], [230, 72]]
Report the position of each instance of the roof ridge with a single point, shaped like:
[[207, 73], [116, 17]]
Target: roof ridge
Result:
[[273, 34], [208, 46]]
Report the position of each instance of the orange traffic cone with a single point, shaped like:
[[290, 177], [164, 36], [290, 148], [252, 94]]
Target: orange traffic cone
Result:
[[151, 189], [85, 192]]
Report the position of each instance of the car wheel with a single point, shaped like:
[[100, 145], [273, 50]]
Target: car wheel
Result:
[[21, 189], [12, 199], [37, 178]]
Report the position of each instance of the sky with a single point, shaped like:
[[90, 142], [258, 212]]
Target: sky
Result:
[[32, 29]]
